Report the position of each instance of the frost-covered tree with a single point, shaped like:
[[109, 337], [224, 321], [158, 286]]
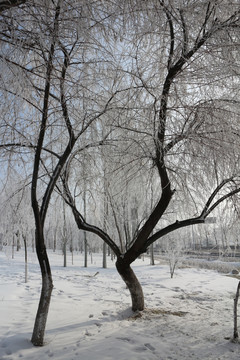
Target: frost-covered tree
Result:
[[54, 65], [179, 115], [160, 77]]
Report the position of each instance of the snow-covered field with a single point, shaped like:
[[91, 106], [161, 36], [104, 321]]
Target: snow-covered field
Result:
[[187, 317]]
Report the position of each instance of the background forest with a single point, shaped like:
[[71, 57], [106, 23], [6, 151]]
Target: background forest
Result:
[[119, 129]]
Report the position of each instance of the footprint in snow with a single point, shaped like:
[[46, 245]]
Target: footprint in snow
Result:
[[98, 324], [126, 339], [8, 352], [149, 346], [145, 347]]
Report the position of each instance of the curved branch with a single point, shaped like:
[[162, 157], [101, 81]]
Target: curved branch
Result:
[[172, 227], [212, 196], [195, 220], [233, 192], [81, 222], [54, 178]]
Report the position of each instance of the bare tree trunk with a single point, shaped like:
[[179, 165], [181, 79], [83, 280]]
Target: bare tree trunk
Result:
[[25, 252], [105, 225], [44, 302], [104, 255], [65, 253], [13, 244], [132, 283], [64, 237], [85, 249], [55, 240], [18, 240], [71, 247], [41, 317], [151, 255], [235, 331], [85, 212]]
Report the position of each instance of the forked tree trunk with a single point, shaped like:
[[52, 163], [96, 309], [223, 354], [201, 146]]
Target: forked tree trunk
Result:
[[43, 307], [132, 283]]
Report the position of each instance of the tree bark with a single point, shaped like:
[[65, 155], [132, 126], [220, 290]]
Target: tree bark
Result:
[[132, 283], [25, 253], [152, 255], [65, 253], [44, 302], [235, 331], [104, 255], [85, 249]]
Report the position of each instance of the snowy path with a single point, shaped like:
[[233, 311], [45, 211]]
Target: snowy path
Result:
[[187, 317]]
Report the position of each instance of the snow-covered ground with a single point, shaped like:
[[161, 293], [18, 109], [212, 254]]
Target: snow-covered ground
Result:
[[187, 317]]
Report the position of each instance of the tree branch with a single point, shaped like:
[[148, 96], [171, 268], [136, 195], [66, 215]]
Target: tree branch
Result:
[[8, 4], [212, 196], [185, 34], [81, 222], [172, 35], [62, 96], [198, 219], [40, 215], [30, 146]]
